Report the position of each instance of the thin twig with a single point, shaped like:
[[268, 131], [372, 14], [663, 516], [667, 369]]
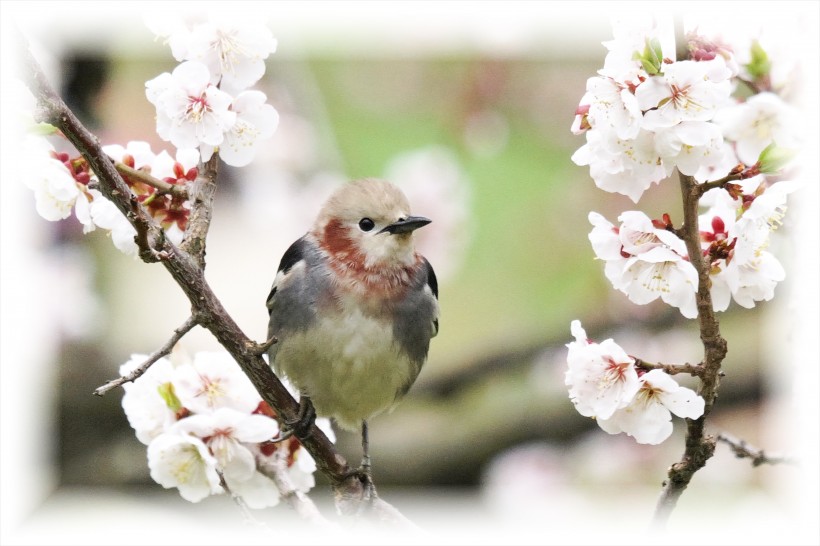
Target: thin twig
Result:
[[706, 186], [275, 468], [672, 369], [247, 515], [161, 185], [743, 450], [262, 348], [142, 368]]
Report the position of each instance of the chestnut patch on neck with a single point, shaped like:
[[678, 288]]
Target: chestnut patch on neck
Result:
[[348, 261], [338, 243]]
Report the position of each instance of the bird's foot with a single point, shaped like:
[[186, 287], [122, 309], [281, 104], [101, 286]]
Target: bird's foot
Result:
[[365, 478], [301, 424]]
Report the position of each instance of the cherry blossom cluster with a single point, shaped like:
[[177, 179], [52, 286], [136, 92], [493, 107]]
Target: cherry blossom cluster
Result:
[[205, 102], [62, 183], [718, 117], [711, 117], [605, 384], [646, 114], [203, 419], [202, 106], [646, 260]]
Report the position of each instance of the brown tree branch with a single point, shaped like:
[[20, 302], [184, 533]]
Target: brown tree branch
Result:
[[699, 446], [52, 109], [189, 274], [142, 368], [201, 195]]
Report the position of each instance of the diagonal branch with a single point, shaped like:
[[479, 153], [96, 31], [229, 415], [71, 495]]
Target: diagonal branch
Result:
[[189, 274], [52, 109], [142, 368], [201, 194]]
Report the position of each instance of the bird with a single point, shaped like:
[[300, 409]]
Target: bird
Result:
[[353, 308]]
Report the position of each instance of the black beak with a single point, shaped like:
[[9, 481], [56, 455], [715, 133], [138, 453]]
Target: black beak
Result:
[[406, 225]]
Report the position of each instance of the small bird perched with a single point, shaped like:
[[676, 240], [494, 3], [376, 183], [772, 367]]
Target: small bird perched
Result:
[[353, 307]]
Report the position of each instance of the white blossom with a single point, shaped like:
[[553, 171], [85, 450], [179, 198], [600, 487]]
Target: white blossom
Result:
[[661, 273], [645, 262], [601, 377], [687, 91], [214, 380], [695, 147], [233, 50], [612, 106], [147, 411], [139, 150], [648, 417], [227, 433], [107, 216], [255, 122], [55, 190], [742, 267], [190, 110], [183, 461], [757, 122], [625, 166]]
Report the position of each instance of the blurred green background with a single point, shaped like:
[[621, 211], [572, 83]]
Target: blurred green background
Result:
[[489, 411]]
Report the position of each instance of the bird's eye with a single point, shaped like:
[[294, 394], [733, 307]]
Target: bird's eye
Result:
[[366, 224]]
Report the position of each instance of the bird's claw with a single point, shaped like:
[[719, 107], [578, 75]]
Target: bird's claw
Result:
[[299, 426]]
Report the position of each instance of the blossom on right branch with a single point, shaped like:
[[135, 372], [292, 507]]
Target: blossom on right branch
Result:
[[605, 384], [601, 377], [645, 262], [648, 417], [735, 235]]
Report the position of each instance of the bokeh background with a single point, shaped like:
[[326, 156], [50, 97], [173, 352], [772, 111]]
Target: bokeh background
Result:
[[467, 106]]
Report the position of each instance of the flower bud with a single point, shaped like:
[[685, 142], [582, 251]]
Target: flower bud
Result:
[[773, 158], [652, 56], [759, 66]]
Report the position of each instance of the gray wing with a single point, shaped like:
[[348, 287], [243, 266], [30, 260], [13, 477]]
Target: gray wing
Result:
[[296, 289], [416, 318]]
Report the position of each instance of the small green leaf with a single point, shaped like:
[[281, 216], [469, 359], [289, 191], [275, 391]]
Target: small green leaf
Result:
[[166, 391], [42, 129], [759, 66], [773, 158], [652, 57]]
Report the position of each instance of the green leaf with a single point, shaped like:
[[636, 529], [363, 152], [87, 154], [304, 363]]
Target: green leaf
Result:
[[166, 391], [773, 158], [42, 129], [652, 57], [759, 66]]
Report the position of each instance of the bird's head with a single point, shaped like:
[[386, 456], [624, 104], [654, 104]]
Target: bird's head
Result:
[[367, 223]]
